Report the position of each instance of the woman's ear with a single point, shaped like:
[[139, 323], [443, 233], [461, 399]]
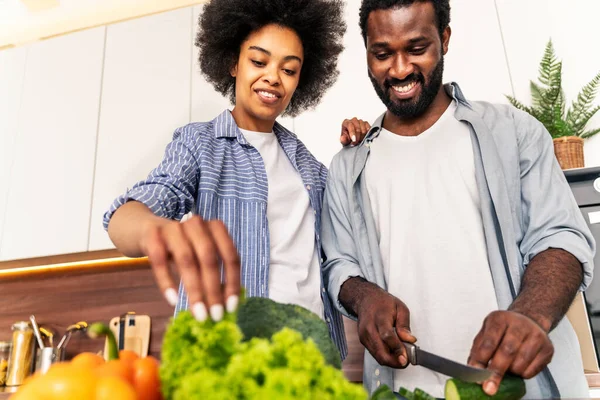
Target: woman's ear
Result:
[[233, 70]]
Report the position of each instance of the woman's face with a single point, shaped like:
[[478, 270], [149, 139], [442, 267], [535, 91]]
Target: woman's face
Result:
[[267, 74]]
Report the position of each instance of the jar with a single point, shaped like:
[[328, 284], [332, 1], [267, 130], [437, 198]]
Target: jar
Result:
[[21, 354], [4, 353]]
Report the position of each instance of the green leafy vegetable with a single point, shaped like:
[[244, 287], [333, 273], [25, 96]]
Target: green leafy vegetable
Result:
[[204, 360]]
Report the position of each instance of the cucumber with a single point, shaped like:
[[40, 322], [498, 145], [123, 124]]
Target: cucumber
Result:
[[407, 394], [383, 393], [511, 388], [422, 395]]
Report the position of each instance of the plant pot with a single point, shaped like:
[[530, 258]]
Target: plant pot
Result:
[[569, 151]]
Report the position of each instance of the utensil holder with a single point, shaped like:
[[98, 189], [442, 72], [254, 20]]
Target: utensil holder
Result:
[[46, 357]]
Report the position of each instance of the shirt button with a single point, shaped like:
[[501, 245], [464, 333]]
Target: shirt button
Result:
[[322, 260], [323, 290], [378, 383], [328, 320], [308, 187], [377, 372]]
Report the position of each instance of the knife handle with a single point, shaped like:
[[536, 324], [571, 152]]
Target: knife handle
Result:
[[411, 352]]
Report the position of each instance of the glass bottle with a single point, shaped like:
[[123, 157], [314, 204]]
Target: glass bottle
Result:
[[21, 354]]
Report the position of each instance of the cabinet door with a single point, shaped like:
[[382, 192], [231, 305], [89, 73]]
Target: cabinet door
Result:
[[50, 185], [145, 97], [12, 71]]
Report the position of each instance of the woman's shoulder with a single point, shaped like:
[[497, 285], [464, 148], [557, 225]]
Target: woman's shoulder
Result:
[[220, 126]]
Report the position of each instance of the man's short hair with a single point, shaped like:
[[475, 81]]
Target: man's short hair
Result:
[[442, 11], [226, 24]]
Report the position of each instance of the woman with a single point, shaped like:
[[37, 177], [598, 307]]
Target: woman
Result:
[[250, 182]]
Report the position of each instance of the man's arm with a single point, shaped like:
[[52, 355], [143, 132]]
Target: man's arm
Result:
[[549, 286], [517, 340], [557, 250], [383, 320]]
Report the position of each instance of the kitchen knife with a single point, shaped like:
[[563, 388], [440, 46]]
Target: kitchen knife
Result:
[[416, 356]]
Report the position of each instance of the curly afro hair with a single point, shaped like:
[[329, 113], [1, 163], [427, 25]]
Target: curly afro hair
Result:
[[225, 25], [442, 11]]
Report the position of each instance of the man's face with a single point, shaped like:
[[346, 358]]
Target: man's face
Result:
[[405, 56]]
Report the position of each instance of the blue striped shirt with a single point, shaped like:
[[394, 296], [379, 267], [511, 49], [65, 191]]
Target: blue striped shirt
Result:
[[211, 169]]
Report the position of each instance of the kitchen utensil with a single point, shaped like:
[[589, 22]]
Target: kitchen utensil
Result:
[[46, 357], [132, 332], [416, 356], [47, 333], [79, 326], [36, 331]]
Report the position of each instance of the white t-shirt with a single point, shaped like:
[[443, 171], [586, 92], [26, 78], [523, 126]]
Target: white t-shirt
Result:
[[428, 216], [294, 275]]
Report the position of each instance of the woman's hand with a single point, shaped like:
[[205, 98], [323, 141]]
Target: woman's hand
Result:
[[353, 131], [195, 249]]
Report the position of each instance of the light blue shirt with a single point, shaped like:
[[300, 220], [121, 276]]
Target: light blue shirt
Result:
[[211, 169], [527, 207]]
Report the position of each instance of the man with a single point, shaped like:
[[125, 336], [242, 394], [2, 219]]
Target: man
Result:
[[452, 223]]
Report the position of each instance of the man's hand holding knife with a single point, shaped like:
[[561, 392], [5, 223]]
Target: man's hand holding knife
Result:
[[508, 342]]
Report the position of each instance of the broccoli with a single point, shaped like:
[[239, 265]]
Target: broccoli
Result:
[[208, 361], [262, 317]]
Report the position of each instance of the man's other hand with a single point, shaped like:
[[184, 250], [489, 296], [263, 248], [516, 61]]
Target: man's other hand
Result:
[[510, 342]]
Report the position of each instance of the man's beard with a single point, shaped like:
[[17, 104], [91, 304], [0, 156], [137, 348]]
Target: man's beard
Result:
[[411, 108]]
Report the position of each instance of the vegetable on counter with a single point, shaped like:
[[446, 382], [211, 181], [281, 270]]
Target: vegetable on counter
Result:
[[511, 388], [383, 392], [210, 361], [260, 317], [124, 376]]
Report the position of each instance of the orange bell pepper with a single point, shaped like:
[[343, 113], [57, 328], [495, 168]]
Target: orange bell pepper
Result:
[[125, 376]]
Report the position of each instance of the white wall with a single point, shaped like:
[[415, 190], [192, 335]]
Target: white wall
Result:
[[150, 84], [572, 25]]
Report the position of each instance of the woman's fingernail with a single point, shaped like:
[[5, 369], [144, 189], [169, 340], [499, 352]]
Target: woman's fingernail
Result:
[[171, 296], [216, 312], [232, 303], [354, 138], [199, 311], [490, 388]]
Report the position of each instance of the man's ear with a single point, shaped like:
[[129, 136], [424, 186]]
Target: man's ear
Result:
[[233, 70], [446, 39]]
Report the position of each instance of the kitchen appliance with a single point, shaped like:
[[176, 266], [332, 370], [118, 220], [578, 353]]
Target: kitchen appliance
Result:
[[585, 185]]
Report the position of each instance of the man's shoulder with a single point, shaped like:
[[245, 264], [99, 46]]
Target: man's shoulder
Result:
[[496, 112], [342, 162]]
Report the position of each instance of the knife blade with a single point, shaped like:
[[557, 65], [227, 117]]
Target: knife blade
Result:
[[417, 356]]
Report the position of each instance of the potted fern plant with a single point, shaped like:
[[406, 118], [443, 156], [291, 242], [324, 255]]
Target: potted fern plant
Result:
[[567, 126]]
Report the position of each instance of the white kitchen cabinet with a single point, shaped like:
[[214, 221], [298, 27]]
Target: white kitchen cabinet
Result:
[[50, 183], [12, 71], [145, 97]]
